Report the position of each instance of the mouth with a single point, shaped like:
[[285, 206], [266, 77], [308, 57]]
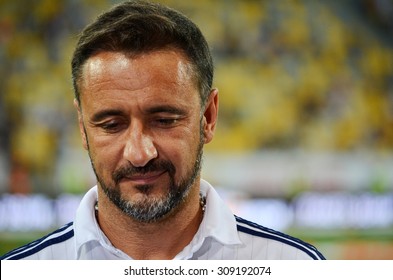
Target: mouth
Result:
[[144, 179]]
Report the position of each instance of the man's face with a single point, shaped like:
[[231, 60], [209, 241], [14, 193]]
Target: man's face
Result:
[[142, 123]]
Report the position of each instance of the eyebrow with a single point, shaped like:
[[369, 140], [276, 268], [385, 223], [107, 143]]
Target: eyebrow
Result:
[[99, 116], [165, 109]]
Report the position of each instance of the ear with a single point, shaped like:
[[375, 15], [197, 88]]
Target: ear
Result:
[[210, 116], [81, 125]]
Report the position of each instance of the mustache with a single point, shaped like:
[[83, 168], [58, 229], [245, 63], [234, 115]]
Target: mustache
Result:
[[152, 166]]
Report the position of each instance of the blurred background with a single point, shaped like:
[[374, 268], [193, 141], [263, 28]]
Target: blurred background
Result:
[[305, 136]]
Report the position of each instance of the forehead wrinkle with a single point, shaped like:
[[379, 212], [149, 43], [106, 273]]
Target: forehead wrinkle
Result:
[[97, 68]]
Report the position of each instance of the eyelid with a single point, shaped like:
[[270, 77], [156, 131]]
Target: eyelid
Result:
[[167, 119], [105, 114], [110, 125]]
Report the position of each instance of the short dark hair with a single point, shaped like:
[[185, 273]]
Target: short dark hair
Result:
[[136, 27]]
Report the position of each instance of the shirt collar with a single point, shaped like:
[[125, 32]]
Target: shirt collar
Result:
[[86, 227], [218, 222], [85, 223]]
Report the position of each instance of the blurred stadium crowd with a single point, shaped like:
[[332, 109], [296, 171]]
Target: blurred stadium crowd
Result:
[[310, 75]]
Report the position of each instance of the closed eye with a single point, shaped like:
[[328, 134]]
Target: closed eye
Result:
[[167, 121], [166, 116], [110, 121], [111, 126]]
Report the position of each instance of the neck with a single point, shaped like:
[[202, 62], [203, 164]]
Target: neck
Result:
[[177, 229]]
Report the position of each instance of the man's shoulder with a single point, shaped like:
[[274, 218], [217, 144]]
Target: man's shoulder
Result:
[[274, 237], [43, 248]]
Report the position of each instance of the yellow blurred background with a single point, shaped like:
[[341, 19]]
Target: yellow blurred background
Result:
[[305, 134]]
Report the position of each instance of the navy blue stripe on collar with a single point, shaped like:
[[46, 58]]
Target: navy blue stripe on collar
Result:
[[39, 244], [261, 231]]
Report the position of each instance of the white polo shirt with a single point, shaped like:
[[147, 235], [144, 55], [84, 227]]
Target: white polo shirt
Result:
[[221, 236]]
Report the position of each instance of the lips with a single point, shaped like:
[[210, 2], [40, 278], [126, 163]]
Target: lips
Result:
[[143, 179]]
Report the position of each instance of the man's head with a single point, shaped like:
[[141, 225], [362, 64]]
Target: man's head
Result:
[[137, 27], [142, 76]]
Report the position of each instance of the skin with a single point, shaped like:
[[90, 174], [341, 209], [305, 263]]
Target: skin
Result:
[[134, 111]]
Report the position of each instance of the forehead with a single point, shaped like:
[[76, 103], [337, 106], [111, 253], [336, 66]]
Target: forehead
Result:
[[161, 68]]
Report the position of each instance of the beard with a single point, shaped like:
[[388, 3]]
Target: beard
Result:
[[152, 209]]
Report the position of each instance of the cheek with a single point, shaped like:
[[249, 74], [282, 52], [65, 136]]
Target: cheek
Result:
[[105, 157], [182, 150]]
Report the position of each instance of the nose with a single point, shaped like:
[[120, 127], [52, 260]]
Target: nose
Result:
[[139, 148]]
